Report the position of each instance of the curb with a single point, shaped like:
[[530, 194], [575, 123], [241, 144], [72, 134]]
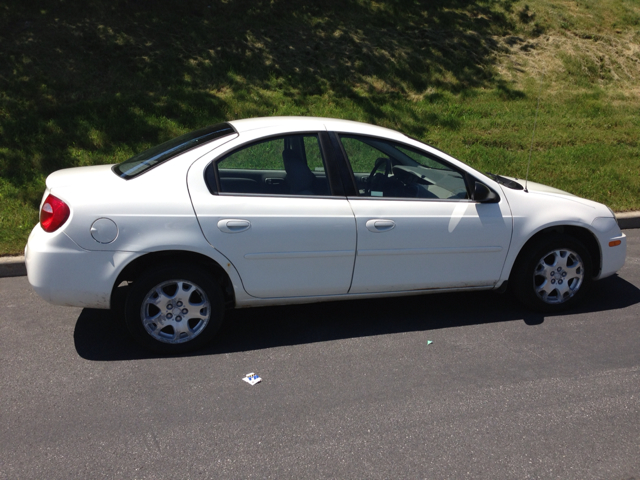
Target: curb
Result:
[[12, 267], [15, 267], [628, 220]]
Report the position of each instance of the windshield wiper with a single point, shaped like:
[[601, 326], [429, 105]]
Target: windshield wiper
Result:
[[505, 181]]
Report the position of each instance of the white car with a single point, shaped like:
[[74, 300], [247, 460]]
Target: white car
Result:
[[286, 210]]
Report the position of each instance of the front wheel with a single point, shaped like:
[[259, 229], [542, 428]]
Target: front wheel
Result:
[[553, 275], [174, 309]]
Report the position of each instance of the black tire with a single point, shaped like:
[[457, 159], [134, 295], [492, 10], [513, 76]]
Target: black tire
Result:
[[174, 309], [553, 274]]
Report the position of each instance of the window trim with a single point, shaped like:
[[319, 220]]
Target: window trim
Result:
[[329, 158], [344, 166]]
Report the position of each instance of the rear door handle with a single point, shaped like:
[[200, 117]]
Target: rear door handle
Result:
[[378, 225], [229, 225]]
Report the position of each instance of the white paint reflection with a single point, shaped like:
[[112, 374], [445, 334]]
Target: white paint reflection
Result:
[[457, 215]]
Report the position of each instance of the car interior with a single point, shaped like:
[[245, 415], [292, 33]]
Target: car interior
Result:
[[293, 165], [277, 166], [385, 169]]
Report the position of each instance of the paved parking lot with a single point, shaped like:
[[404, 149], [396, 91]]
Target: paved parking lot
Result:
[[350, 390]]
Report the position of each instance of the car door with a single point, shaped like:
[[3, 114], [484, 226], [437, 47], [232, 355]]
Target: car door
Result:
[[272, 211], [417, 226]]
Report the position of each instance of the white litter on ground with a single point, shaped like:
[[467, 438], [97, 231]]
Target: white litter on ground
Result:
[[252, 378]]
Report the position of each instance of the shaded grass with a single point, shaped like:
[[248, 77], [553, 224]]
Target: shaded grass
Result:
[[96, 82]]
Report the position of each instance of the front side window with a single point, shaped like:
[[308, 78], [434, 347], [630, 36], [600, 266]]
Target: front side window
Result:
[[286, 165], [383, 168]]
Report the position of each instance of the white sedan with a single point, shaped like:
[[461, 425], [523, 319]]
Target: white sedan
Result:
[[286, 210]]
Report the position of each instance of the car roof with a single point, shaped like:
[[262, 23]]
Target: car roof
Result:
[[312, 123]]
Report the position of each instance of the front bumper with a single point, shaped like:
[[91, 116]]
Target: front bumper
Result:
[[613, 257]]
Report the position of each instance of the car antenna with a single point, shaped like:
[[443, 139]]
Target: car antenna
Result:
[[535, 122]]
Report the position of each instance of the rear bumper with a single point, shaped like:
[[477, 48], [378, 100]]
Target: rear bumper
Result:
[[62, 273]]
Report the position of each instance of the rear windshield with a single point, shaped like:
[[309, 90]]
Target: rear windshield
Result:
[[142, 162]]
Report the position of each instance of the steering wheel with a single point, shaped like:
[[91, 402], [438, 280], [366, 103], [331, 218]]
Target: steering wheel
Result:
[[378, 182]]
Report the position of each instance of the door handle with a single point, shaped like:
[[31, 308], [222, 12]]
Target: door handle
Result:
[[274, 181], [233, 226], [378, 225]]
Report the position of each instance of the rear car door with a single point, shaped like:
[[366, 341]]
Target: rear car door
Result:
[[270, 207]]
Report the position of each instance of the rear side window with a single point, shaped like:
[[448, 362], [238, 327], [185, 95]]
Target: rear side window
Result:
[[140, 163], [286, 165]]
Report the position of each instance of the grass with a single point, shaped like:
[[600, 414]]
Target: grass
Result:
[[94, 82]]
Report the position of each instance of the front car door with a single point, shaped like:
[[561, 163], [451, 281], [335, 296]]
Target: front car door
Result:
[[418, 228]]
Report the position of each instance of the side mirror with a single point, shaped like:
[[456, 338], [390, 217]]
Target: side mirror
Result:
[[483, 194]]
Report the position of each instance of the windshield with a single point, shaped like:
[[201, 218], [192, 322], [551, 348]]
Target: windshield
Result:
[[142, 162]]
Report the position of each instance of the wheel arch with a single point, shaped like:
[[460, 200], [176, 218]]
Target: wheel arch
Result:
[[135, 268], [584, 235]]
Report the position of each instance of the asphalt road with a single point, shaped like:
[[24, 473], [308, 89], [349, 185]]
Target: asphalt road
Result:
[[349, 390]]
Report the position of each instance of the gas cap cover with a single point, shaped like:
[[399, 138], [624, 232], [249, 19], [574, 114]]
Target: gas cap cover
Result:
[[104, 230]]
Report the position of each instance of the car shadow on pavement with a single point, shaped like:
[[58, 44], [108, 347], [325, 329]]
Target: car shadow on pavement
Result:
[[102, 336]]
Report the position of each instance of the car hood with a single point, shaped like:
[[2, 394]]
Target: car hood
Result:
[[541, 192], [539, 187]]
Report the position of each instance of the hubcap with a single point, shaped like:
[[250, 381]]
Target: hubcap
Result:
[[558, 276], [175, 311]]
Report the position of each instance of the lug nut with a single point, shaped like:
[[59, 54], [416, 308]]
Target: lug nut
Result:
[[169, 307], [178, 318], [169, 316], [185, 311], [179, 304]]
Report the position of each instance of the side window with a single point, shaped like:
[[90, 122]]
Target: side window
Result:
[[361, 156], [387, 169], [287, 165]]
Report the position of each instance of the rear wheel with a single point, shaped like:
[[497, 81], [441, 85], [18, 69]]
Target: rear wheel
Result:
[[554, 274], [174, 309]]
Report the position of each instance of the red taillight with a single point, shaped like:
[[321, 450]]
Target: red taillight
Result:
[[53, 214]]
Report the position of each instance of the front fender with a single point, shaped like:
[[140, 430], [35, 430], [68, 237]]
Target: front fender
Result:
[[536, 212]]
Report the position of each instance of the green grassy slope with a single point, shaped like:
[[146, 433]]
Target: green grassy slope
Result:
[[86, 82]]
